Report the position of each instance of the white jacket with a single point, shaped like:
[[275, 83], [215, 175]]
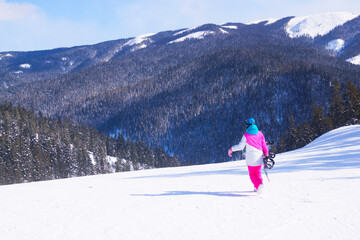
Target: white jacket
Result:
[[255, 148]]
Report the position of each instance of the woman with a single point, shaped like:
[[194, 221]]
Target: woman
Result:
[[256, 149]]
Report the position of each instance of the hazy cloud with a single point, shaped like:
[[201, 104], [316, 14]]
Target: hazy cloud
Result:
[[17, 11], [26, 27]]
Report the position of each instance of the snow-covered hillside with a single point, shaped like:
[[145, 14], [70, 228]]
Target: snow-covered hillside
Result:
[[336, 45], [316, 25], [268, 21], [313, 194], [196, 35], [355, 60]]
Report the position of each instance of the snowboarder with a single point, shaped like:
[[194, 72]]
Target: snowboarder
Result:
[[256, 150]]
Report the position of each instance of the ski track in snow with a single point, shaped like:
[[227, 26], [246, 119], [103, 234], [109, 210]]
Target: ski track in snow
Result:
[[313, 194]]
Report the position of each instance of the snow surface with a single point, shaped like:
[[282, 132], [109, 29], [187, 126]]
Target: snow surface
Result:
[[230, 27], [112, 161], [138, 47], [185, 30], [313, 194], [195, 35], [139, 39], [315, 25], [336, 45], [223, 31], [92, 158], [25, 66], [355, 60], [269, 21]]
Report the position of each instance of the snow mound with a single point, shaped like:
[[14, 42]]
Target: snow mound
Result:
[[317, 25], [354, 60], [338, 138], [339, 148]]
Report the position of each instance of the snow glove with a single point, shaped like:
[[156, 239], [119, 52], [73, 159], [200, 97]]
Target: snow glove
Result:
[[230, 152]]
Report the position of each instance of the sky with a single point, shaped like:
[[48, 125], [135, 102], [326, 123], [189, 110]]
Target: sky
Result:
[[28, 25]]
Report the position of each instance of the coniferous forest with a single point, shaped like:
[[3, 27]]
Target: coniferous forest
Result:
[[34, 148], [344, 110]]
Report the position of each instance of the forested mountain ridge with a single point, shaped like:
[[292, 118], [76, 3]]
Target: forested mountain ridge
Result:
[[190, 90], [16, 67], [34, 147]]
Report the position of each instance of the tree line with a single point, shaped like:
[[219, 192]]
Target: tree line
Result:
[[35, 148], [344, 110]]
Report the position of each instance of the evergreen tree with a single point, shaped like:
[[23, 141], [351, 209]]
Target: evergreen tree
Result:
[[336, 113], [281, 145], [352, 104], [292, 140], [306, 134], [319, 122]]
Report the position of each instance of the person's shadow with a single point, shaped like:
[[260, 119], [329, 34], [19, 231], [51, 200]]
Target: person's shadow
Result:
[[219, 194]]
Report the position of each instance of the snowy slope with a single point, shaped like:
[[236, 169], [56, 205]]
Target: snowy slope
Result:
[[316, 25], [336, 45], [268, 21], [196, 35], [355, 60], [313, 194]]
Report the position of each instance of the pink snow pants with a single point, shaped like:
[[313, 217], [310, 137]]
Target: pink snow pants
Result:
[[255, 175]]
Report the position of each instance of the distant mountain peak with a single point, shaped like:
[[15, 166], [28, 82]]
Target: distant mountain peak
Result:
[[139, 39], [268, 21], [195, 35], [317, 25]]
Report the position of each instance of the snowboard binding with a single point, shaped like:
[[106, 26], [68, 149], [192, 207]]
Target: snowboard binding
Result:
[[269, 161]]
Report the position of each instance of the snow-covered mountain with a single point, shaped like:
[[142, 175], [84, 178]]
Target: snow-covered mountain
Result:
[[317, 25], [335, 31], [338, 28], [313, 194]]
